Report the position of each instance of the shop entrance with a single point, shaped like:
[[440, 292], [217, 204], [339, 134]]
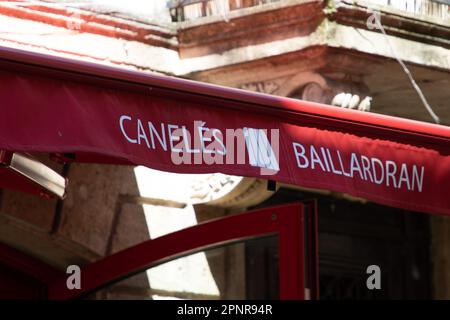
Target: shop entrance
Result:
[[292, 227], [352, 236]]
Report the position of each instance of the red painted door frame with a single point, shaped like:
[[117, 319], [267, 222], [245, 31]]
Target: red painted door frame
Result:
[[34, 275], [286, 221]]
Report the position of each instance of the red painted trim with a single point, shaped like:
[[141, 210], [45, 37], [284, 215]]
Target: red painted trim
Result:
[[5, 158], [381, 125], [286, 221], [28, 265], [292, 253], [313, 243]]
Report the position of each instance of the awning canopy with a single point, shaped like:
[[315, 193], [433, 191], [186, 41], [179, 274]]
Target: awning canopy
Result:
[[87, 112]]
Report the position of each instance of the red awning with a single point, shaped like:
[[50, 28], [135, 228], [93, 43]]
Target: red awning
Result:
[[93, 113]]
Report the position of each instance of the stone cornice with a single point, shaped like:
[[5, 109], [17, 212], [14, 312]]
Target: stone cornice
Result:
[[239, 28], [247, 35], [396, 22], [251, 26], [86, 21]]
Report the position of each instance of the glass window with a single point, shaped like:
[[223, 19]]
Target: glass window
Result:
[[220, 273]]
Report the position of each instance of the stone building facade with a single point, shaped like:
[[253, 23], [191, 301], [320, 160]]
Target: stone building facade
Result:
[[307, 49]]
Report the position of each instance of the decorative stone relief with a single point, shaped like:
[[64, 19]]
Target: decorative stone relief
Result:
[[213, 186], [338, 92], [248, 192], [269, 87]]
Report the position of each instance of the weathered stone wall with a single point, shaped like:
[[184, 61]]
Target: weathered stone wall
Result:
[[77, 229]]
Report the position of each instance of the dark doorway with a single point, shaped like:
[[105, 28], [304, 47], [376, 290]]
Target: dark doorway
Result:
[[261, 266], [16, 285], [353, 236]]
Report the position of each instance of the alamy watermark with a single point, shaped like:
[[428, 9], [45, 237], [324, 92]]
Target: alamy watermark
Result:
[[374, 20], [203, 145], [74, 279], [373, 282], [237, 146]]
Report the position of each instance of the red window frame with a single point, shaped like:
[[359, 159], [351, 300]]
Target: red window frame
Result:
[[289, 222], [30, 267]]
